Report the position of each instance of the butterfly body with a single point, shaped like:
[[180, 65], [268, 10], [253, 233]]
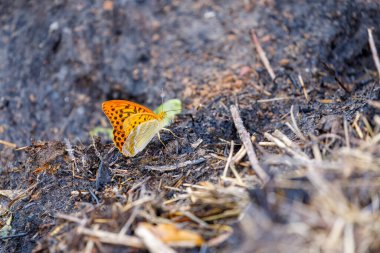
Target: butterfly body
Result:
[[134, 125]]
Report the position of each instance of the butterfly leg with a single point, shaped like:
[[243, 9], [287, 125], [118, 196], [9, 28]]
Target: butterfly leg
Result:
[[159, 137], [170, 131]]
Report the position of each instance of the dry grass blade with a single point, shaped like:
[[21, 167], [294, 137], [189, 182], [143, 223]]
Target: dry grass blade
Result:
[[375, 104], [294, 127], [8, 144], [349, 239], [262, 55], [71, 218], [374, 51], [286, 148], [346, 135], [246, 139], [165, 168], [303, 88], [112, 238], [271, 100], [129, 222], [228, 160]]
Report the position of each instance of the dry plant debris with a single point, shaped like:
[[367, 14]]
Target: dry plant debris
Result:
[[321, 193]]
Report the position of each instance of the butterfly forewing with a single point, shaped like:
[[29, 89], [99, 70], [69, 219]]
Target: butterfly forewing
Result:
[[119, 110]]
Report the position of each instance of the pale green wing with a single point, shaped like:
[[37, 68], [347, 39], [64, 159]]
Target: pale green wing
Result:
[[140, 136], [146, 133], [131, 131]]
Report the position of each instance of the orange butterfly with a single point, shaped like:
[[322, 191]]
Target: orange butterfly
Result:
[[134, 125]]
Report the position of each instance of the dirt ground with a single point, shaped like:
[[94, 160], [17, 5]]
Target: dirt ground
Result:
[[314, 127]]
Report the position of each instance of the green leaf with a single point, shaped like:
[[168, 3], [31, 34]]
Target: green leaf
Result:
[[7, 228], [102, 130]]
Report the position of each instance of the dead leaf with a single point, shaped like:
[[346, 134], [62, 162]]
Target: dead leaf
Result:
[[174, 236]]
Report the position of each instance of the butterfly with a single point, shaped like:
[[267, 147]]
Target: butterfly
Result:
[[135, 125]]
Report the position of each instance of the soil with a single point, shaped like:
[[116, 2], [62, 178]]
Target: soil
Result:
[[59, 60]]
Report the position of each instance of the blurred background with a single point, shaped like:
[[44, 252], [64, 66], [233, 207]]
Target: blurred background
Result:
[[61, 59]]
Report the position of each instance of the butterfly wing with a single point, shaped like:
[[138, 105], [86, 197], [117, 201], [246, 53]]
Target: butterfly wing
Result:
[[119, 110], [139, 137], [118, 113], [140, 130]]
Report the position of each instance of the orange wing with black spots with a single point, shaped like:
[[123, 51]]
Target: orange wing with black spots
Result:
[[124, 117]]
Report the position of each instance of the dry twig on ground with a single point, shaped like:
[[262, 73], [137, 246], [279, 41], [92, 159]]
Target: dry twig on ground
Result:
[[246, 139]]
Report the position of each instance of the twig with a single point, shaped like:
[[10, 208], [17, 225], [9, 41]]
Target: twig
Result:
[[93, 196], [239, 155], [315, 148], [22, 195], [267, 144], [282, 145], [219, 239], [335, 233], [349, 240], [8, 144], [112, 238], [139, 184], [285, 139], [236, 174], [337, 79], [346, 135], [262, 55], [294, 121], [13, 236], [129, 222], [228, 160], [356, 126], [373, 103], [244, 164], [245, 137], [236, 159], [303, 87], [174, 167], [71, 218], [97, 153], [89, 246], [368, 126], [271, 100], [99, 175], [194, 218], [138, 202], [234, 181], [374, 51], [70, 150]]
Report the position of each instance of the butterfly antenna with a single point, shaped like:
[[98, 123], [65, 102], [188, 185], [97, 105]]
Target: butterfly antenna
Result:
[[162, 99]]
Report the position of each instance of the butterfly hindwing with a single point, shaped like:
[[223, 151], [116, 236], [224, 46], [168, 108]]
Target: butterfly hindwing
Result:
[[135, 128], [147, 131], [140, 136]]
